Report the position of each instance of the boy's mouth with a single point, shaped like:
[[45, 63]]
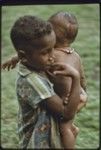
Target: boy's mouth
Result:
[[49, 66], [52, 61]]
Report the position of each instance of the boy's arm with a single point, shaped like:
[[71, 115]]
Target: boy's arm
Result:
[[55, 103], [37, 92], [67, 112], [11, 63]]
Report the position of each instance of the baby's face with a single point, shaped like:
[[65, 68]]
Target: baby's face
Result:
[[42, 57]]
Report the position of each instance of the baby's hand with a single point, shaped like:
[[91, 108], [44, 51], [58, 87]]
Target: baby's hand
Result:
[[10, 64], [64, 69]]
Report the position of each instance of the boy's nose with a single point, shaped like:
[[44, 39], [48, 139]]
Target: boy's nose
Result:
[[51, 59], [52, 55]]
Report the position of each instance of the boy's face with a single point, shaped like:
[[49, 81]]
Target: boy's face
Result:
[[42, 56]]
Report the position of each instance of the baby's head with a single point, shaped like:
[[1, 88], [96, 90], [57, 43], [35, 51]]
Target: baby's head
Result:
[[33, 39], [65, 27]]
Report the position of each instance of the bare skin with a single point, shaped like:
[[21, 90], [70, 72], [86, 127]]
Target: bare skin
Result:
[[62, 87], [66, 28]]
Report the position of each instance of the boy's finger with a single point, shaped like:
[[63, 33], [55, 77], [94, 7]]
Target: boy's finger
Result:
[[58, 73], [58, 67]]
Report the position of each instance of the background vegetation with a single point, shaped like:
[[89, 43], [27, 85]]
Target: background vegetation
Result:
[[87, 45]]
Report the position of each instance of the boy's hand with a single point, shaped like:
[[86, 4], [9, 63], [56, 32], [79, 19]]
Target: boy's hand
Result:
[[64, 69]]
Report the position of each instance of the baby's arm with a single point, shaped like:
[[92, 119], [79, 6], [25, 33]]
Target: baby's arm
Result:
[[11, 63]]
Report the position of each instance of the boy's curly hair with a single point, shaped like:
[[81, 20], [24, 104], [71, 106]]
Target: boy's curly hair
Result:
[[28, 29], [65, 26]]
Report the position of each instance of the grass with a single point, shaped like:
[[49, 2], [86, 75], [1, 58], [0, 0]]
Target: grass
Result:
[[86, 44]]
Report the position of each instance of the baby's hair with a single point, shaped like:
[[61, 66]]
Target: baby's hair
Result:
[[65, 26], [27, 30]]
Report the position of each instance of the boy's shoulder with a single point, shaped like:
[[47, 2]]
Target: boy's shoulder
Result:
[[32, 75], [39, 84]]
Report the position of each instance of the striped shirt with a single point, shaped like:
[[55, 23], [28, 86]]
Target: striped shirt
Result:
[[36, 127]]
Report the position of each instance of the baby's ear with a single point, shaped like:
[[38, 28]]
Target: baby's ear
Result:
[[21, 54]]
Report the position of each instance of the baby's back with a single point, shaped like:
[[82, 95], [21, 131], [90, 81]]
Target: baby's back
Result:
[[62, 85]]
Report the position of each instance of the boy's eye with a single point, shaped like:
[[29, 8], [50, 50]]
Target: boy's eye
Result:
[[46, 51]]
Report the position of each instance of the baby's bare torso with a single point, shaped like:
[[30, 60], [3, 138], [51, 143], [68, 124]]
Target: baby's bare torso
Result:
[[62, 85]]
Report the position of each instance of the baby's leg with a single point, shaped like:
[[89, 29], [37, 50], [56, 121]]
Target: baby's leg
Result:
[[67, 136], [80, 106], [83, 100]]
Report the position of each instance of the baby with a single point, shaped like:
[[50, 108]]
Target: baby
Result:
[[65, 26]]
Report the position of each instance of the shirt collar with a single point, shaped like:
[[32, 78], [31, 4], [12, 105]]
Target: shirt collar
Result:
[[23, 70]]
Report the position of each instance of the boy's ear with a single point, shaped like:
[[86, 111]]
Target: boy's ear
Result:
[[21, 54]]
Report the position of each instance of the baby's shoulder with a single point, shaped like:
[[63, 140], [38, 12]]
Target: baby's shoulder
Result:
[[75, 54]]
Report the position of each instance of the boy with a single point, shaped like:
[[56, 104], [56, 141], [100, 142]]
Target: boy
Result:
[[66, 27], [34, 40]]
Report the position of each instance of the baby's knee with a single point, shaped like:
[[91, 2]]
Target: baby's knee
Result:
[[83, 98]]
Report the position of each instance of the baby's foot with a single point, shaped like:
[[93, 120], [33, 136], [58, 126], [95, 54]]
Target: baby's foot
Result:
[[75, 130]]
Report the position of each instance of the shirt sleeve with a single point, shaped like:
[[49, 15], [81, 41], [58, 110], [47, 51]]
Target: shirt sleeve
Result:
[[34, 90]]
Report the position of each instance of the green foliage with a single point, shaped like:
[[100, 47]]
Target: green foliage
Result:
[[86, 44]]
